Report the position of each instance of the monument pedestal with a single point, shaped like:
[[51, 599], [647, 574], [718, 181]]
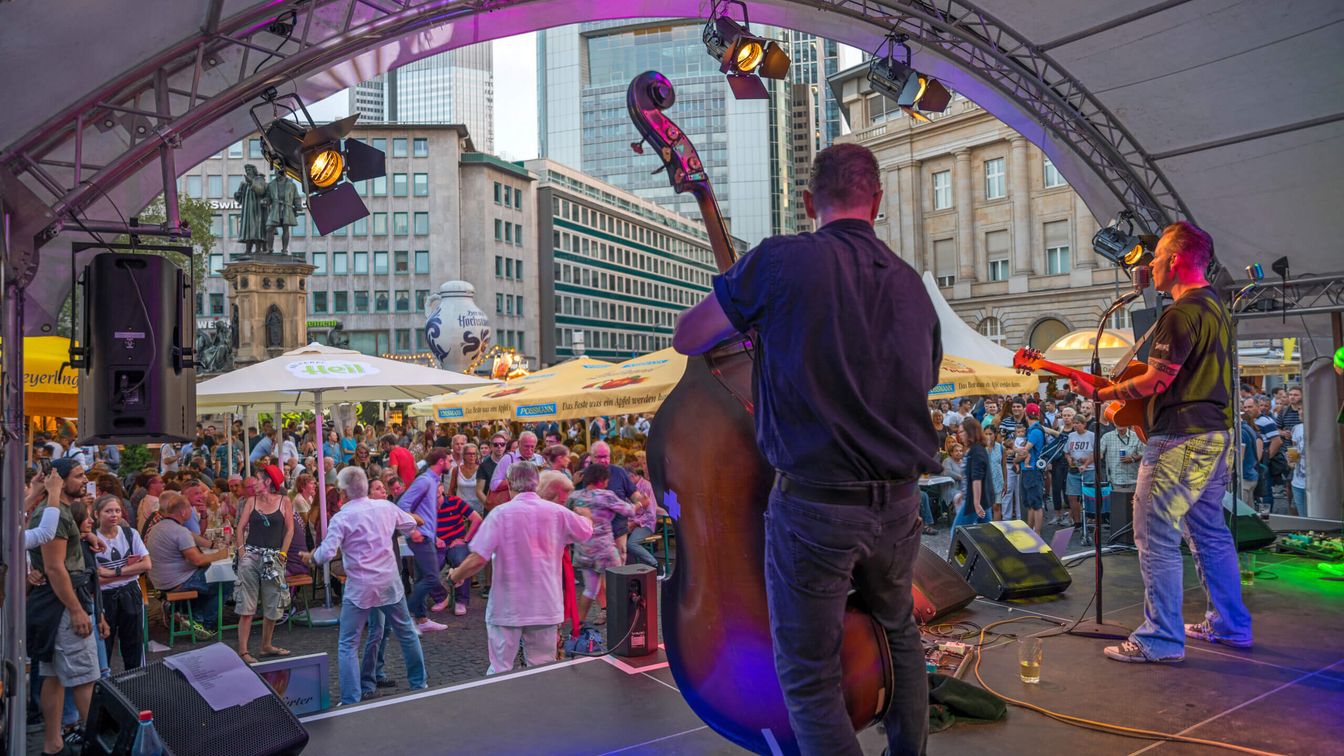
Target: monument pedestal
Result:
[[270, 305]]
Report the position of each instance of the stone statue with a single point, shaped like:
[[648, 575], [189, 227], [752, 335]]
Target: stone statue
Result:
[[337, 338], [283, 210], [275, 328], [251, 195], [214, 349]]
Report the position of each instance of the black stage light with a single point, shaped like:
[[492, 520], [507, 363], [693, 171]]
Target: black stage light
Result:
[[914, 92], [321, 159], [743, 56], [1118, 243]]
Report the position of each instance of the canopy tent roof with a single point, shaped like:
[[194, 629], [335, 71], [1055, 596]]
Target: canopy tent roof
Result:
[[1231, 110], [341, 375], [1074, 349], [959, 338]]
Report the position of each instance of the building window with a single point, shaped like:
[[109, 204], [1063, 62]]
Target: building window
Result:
[[217, 226], [380, 263], [421, 297], [499, 266], [996, 251], [991, 329], [360, 227], [995, 185], [508, 196], [508, 233], [340, 301], [403, 337], [380, 224], [401, 262], [216, 264], [420, 147], [508, 267], [420, 344], [1057, 248], [236, 150], [361, 301], [942, 190], [518, 269], [216, 304], [499, 230], [518, 310], [379, 144], [399, 147], [402, 301], [508, 304], [319, 263], [361, 263], [254, 149], [518, 234], [401, 224], [194, 187], [379, 188], [400, 185], [945, 261], [235, 225], [1120, 319], [499, 304], [319, 301], [422, 261], [422, 224], [381, 302], [1052, 176], [499, 192], [340, 263], [420, 185]]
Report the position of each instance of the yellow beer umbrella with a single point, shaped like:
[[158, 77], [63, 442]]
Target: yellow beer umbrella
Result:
[[497, 401], [47, 388], [635, 386], [958, 376]]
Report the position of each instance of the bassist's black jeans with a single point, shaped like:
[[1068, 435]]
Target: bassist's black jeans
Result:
[[814, 552]]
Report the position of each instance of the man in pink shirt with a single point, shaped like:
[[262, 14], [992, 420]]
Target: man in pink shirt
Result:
[[362, 530], [525, 538], [398, 457]]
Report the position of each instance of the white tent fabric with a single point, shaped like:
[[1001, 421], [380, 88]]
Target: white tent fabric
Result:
[[341, 375], [1240, 104], [959, 339]]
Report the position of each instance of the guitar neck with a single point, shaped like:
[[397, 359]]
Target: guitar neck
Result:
[[1072, 374]]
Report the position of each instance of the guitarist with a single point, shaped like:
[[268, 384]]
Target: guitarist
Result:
[[1185, 467], [848, 348]]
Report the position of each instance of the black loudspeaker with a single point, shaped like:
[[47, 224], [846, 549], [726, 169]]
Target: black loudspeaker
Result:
[[1252, 532], [185, 722], [632, 601], [1007, 560], [1141, 319], [937, 587], [137, 379]]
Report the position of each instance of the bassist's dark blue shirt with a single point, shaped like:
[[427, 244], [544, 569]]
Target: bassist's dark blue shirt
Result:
[[848, 346]]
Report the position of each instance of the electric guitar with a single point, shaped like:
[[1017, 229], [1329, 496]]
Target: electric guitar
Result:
[[1130, 413]]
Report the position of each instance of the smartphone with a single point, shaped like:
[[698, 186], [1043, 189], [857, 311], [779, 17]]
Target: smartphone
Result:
[[46, 465], [91, 489]]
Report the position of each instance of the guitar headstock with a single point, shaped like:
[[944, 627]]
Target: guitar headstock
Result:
[[1027, 360], [648, 96]]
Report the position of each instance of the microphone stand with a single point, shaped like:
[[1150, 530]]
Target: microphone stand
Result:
[[1099, 627]]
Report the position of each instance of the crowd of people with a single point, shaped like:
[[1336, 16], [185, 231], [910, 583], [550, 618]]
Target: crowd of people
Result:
[[458, 495], [1021, 457]]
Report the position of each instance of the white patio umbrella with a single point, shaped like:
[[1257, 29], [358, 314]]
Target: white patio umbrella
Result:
[[310, 375]]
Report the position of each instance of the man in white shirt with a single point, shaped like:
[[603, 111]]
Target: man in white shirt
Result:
[[362, 531], [525, 539], [167, 458]]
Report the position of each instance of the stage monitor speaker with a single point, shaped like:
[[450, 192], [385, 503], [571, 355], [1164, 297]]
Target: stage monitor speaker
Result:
[[137, 381], [186, 724], [1141, 319], [632, 601], [1007, 560], [1252, 532], [937, 587]]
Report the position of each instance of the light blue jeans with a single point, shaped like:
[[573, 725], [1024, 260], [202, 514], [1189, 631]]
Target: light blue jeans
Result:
[[1180, 491], [353, 621]]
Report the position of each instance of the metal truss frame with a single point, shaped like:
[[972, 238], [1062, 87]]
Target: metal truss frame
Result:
[[1305, 295], [91, 147]]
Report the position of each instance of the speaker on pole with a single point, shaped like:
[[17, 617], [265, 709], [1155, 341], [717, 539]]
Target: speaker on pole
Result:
[[186, 722], [1007, 560], [137, 377], [937, 587]]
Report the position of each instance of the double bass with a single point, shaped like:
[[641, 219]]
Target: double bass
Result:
[[708, 472]]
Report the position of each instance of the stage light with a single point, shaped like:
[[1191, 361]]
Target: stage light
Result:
[[1118, 243], [915, 93], [320, 158], [743, 56]]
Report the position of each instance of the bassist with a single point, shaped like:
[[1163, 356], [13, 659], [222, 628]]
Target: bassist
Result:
[[1185, 468], [848, 347]]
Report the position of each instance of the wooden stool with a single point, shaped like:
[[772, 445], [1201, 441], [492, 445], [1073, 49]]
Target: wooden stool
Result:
[[651, 542], [172, 597], [298, 581]]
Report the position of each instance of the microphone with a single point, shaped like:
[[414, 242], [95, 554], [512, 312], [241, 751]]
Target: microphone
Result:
[[1142, 277]]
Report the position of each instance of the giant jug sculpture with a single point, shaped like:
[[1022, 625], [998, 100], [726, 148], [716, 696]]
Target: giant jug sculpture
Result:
[[456, 330]]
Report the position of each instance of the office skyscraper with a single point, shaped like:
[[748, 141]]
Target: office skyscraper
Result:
[[582, 74], [452, 87]]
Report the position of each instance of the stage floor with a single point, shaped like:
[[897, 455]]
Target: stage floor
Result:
[[1285, 696]]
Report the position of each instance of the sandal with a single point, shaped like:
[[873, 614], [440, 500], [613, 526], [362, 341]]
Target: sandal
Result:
[[930, 530], [248, 658], [276, 651]]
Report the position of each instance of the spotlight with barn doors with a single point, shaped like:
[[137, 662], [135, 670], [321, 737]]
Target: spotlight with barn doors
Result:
[[1118, 243], [914, 92], [320, 158], [743, 56]]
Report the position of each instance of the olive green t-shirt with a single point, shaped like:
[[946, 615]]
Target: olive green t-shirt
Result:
[[67, 529], [1194, 332]]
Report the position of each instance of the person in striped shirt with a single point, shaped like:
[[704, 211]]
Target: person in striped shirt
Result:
[[455, 525]]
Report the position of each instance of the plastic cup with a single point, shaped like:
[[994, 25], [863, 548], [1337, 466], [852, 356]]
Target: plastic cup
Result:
[[1246, 562], [1029, 655]]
